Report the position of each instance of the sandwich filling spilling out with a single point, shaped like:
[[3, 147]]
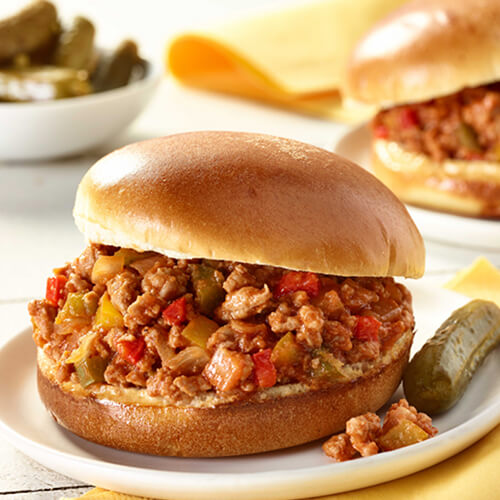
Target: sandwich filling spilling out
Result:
[[461, 126], [183, 328], [464, 126]]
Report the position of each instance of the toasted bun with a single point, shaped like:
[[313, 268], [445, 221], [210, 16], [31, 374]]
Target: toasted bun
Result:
[[286, 417], [456, 186], [250, 198], [425, 49]]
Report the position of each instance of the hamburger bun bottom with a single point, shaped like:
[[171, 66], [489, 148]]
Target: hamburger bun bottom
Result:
[[240, 428], [453, 186]]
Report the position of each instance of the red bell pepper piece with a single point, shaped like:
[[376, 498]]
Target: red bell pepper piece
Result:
[[265, 371], [381, 131], [296, 280], [131, 350], [175, 313], [408, 117], [55, 289], [366, 328]]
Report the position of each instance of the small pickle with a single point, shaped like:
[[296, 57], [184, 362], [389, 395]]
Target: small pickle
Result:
[[76, 46], [439, 373], [287, 351], [107, 316], [29, 30], [77, 305], [116, 70], [402, 434], [90, 370], [199, 329], [42, 83], [208, 288]]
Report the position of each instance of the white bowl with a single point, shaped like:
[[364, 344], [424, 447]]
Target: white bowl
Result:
[[50, 129]]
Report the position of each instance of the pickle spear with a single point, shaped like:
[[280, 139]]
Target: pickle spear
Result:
[[29, 30], [116, 71], [439, 373], [42, 83], [76, 46]]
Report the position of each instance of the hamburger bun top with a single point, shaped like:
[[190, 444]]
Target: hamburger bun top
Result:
[[250, 198], [426, 49]]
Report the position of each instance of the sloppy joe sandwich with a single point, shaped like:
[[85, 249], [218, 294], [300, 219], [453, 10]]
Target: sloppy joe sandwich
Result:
[[434, 67], [236, 296]]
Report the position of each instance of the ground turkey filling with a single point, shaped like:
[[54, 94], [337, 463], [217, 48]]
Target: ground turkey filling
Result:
[[181, 328], [464, 126]]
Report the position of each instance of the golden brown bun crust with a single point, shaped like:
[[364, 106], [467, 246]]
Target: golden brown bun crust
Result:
[[250, 198], [425, 49], [462, 187], [226, 430]]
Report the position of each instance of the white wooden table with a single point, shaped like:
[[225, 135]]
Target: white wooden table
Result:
[[36, 228]]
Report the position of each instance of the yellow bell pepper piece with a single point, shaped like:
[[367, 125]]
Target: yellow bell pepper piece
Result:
[[199, 329], [107, 316]]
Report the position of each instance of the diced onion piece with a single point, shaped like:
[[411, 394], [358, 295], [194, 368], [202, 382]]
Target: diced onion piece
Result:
[[83, 349], [106, 267]]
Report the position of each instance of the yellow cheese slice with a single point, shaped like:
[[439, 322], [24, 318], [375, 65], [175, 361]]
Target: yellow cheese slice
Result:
[[294, 58], [479, 281]]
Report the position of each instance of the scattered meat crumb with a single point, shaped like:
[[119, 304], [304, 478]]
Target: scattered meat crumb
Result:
[[364, 431]]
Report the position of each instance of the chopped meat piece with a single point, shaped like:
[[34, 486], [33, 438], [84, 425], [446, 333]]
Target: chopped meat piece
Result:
[[363, 431], [136, 377], [228, 368], [175, 338], [142, 266], [299, 298], [146, 308], [156, 338], [363, 350], [77, 284], [161, 384], [116, 372], [245, 302], [340, 448], [224, 336], [337, 337], [331, 304], [165, 282], [312, 322], [251, 337], [355, 296], [42, 316], [189, 361], [283, 320], [63, 373], [123, 289], [239, 278], [192, 386], [403, 411]]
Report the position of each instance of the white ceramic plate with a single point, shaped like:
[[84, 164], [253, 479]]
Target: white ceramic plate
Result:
[[62, 127], [293, 473], [445, 228]]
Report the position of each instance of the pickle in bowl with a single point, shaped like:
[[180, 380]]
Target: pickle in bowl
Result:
[[438, 375], [42, 59]]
